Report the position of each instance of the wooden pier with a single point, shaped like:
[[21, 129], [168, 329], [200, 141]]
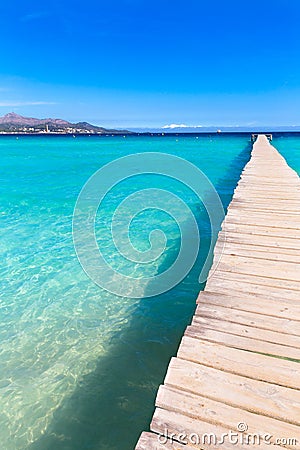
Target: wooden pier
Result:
[[255, 136], [238, 365]]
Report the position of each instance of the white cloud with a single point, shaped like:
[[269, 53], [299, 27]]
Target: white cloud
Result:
[[33, 16], [16, 104], [181, 125]]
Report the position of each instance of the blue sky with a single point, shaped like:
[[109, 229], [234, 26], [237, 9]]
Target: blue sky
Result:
[[138, 63]]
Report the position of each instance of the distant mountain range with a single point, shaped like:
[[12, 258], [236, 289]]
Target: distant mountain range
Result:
[[14, 123]]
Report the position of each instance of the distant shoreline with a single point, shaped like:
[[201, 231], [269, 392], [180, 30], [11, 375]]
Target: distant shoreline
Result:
[[150, 134]]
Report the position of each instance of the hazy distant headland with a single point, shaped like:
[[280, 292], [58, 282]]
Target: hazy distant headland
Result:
[[13, 123]]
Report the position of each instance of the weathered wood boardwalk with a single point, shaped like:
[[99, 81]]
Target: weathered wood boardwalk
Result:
[[238, 364]]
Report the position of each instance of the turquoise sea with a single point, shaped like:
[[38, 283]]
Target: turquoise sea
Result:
[[289, 147], [80, 366]]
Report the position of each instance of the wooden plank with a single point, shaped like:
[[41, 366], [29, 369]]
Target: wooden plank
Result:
[[279, 207], [291, 179], [246, 220], [290, 182], [269, 166], [263, 304], [259, 397], [263, 213], [257, 219], [279, 243], [256, 196], [251, 319], [235, 286], [218, 413], [272, 195], [247, 179], [209, 333], [257, 251], [267, 188], [283, 208], [240, 362], [260, 230], [278, 270], [289, 192], [254, 180], [253, 283], [248, 331]]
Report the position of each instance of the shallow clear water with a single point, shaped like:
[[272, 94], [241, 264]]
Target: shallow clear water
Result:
[[289, 147], [79, 366]]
